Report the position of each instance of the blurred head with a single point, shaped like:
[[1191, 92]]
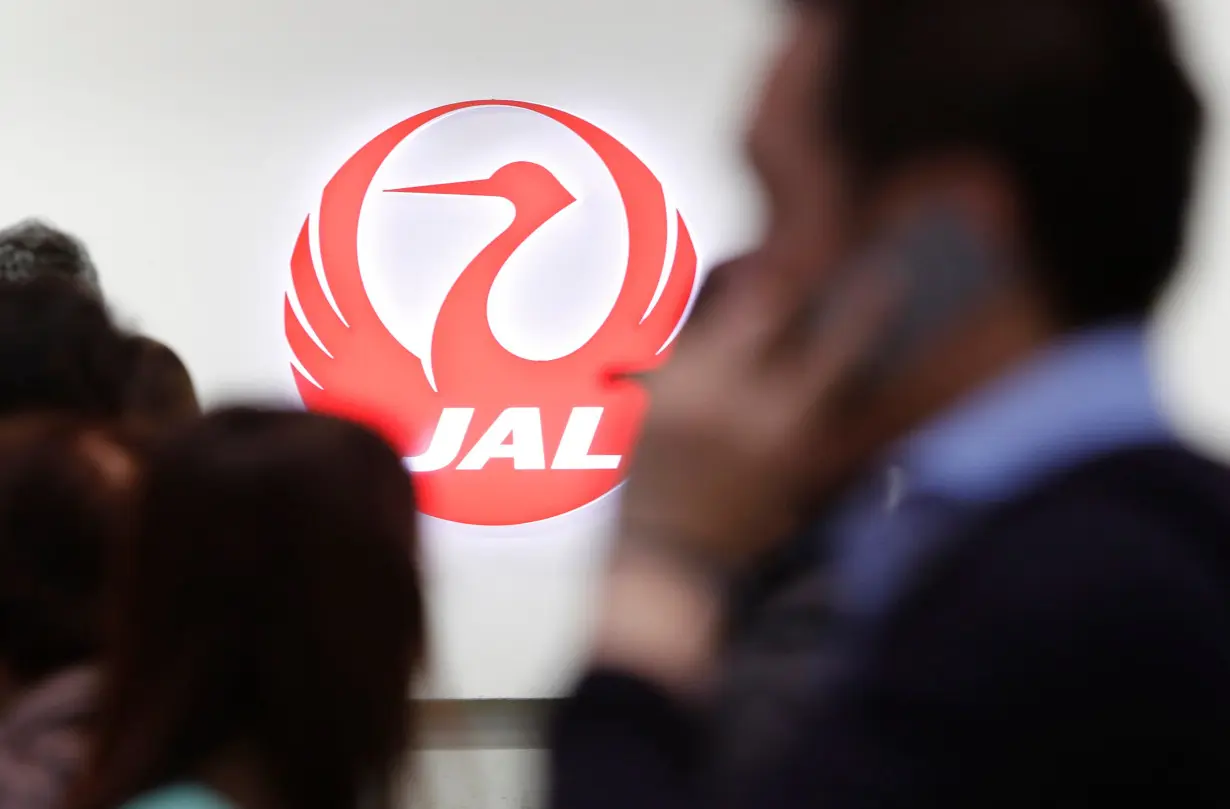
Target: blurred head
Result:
[[65, 493], [1063, 131], [31, 249], [59, 351], [271, 604], [160, 393]]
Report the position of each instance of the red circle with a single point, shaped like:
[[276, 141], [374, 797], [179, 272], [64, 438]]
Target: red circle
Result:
[[360, 371]]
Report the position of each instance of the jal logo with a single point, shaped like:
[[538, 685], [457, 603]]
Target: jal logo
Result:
[[473, 316]]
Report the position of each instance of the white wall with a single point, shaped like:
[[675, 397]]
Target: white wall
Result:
[[185, 140], [1193, 333]]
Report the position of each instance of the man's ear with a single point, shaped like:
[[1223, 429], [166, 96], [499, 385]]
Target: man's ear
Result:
[[977, 190]]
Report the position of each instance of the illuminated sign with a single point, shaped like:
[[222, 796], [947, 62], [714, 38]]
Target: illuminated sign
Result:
[[499, 438]]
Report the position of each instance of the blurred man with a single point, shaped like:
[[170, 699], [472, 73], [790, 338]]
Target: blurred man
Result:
[[974, 204]]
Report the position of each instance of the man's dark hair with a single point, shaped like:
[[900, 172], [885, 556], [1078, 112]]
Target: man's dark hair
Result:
[[60, 351], [31, 248], [1083, 103]]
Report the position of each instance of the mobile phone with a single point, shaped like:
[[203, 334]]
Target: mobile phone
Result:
[[943, 269]]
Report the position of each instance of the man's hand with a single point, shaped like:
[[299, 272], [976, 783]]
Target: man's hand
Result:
[[746, 426], [747, 421]]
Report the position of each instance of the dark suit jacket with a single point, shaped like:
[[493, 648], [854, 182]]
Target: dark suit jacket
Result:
[[1069, 650]]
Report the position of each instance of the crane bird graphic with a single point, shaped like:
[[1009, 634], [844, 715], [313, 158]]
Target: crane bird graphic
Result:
[[360, 371]]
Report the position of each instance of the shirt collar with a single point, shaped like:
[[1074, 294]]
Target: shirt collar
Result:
[[1087, 394]]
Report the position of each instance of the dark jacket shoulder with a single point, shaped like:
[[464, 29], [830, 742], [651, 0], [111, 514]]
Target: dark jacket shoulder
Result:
[[1148, 520], [1091, 611], [1080, 635]]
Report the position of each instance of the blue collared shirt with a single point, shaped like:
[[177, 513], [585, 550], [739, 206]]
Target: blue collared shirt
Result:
[[1085, 396]]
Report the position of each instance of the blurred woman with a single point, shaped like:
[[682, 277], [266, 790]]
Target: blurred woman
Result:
[[65, 493], [269, 621]]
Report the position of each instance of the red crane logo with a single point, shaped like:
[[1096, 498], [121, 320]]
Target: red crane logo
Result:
[[499, 439]]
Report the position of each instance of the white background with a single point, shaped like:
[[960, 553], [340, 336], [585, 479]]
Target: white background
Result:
[[1193, 334], [185, 140]]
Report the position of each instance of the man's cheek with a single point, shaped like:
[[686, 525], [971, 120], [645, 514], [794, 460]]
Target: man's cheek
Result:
[[798, 248]]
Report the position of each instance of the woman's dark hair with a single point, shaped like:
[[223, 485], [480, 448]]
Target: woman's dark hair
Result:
[[160, 392], [1085, 104], [65, 494], [60, 351], [270, 601]]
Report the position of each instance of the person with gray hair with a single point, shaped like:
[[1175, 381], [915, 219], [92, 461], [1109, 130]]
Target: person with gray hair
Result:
[[41, 266], [32, 248]]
